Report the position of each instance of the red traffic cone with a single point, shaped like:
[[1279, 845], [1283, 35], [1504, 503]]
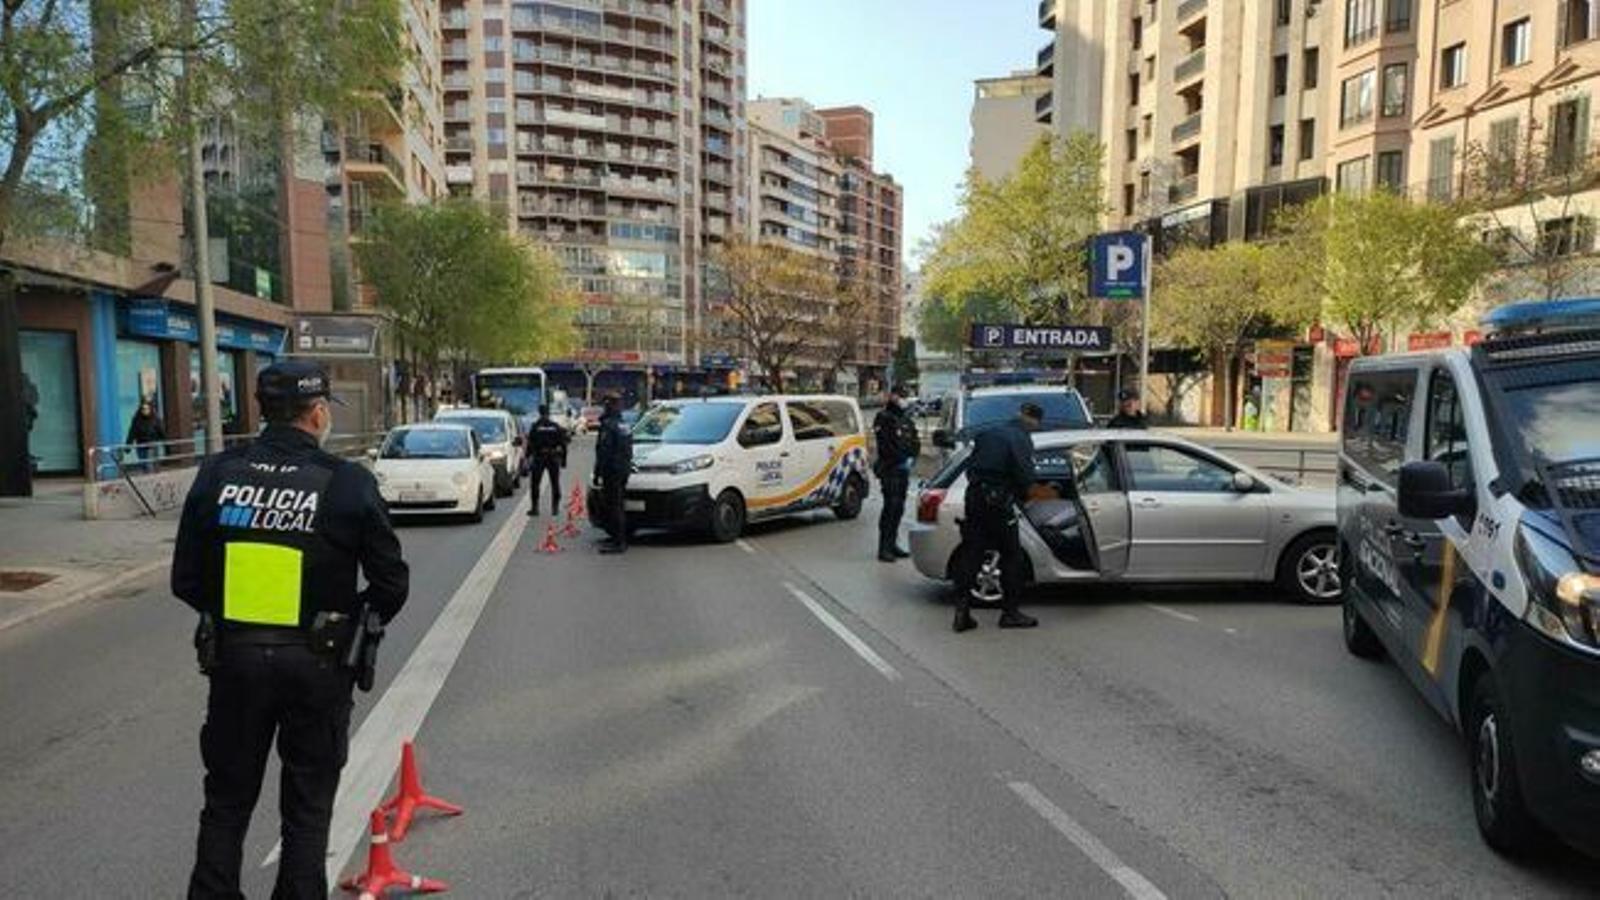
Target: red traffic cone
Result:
[[549, 545], [571, 529], [578, 511], [382, 873], [411, 798]]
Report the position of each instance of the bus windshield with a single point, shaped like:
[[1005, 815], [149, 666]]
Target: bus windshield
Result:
[[518, 393]]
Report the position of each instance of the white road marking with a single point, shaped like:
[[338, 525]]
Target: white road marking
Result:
[[1169, 611], [844, 633], [746, 546], [398, 714], [1135, 884], [1230, 631]]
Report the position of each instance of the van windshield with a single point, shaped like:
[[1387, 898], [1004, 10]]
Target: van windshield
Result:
[[688, 423], [1555, 406]]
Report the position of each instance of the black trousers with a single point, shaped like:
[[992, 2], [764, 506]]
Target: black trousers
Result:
[[894, 485], [258, 694], [541, 468], [614, 518], [989, 523]]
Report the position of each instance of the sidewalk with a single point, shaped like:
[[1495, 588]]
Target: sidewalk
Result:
[[51, 556]]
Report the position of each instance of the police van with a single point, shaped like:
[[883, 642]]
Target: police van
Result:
[[718, 463], [1469, 528]]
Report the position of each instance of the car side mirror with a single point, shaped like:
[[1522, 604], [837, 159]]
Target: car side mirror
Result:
[[1426, 492], [372, 453], [1244, 483], [516, 441], [942, 439]]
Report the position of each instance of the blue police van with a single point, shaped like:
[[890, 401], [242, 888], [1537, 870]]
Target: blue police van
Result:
[[1469, 527]]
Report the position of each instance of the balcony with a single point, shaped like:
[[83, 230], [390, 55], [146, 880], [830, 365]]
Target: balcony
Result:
[[719, 173], [720, 37], [458, 112], [1187, 129], [1042, 106], [455, 50], [458, 81], [657, 11], [456, 20], [1192, 65], [458, 143], [1046, 59], [1190, 8], [1047, 15], [371, 159], [718, 8], [457, 174], [1184, 189]]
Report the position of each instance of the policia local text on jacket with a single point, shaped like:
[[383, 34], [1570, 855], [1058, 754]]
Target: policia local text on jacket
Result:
[[268, 548]]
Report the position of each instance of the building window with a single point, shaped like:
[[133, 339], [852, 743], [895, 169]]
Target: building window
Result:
[[1133, 89], [1308, 139], [1275, 145], [1394, 90], [1516, 39], [1581, 22], [1441, 169], [1569, 135], [1133, 144], [1502, 159], [1351, 176], [1280, 75], [1453, 66], [1285, 12], [1138, 33], [1360, 21], [1309, 68], [1127, 199], [1148, 123], [1397, 16], [1392, 170], [1567, 237], [1355, 99]]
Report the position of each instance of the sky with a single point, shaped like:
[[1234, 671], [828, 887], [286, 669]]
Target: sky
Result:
[[912, 62]]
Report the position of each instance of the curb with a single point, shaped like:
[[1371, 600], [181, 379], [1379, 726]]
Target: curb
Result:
[[100, 588]]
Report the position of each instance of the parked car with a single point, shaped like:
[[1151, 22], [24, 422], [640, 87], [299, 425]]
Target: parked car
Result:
[[434, 468], [500, 434], [965, 413], [589, 418], [1151, 507]]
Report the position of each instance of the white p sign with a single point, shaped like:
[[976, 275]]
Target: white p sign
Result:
[[1120, 259]]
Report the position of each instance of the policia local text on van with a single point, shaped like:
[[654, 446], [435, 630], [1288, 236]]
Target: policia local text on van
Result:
[[267, 552]]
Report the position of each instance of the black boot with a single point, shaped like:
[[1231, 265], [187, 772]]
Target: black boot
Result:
[[963, 621], [1013, 619]]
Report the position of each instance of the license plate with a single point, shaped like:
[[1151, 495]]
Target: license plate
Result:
[[633, 505], [415, 496]]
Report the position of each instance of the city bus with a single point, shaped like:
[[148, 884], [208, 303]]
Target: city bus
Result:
[[518, 389]]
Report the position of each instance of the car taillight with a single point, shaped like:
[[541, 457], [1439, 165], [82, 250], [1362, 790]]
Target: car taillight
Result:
[[928, 503]]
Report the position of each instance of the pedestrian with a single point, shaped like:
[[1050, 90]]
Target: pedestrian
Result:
[[999, 475], [271, 539], [613, 463], [898, 444], [146, 433], [1129, 414], [547, 454]]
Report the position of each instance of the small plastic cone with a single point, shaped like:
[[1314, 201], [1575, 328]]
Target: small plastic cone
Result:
[[571, 529], [549, 544], [382, 873], [412, 797]]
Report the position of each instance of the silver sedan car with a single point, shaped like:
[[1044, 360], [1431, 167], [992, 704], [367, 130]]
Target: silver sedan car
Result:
[[1141, 506]]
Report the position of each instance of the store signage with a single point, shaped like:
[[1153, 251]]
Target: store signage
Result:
[[1117, 265], [335, 336], [1432, 340], [1088, 338], [1469, 338], [157, 318], [1274, 360]]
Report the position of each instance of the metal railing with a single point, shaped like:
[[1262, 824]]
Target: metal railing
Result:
[[1187, 128], [1192, 65], [1190, 7]]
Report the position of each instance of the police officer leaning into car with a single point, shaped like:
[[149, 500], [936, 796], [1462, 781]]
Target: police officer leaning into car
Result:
[[547, 454], [999, 474], [613, 463], [267, 552]]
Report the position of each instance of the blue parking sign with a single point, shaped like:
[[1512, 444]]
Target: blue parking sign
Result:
[[1117, 265]]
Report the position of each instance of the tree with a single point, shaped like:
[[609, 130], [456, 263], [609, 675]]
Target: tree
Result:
[[1016, 250], [905, 370], [1530, 194], [459, 288], [843, 329], [94, 82], [773, 300], [1382, 262]]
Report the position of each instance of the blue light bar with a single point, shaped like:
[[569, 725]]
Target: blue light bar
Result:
[[1545, 315]]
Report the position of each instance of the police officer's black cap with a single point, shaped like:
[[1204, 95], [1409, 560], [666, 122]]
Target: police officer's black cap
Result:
[[294, 380], [1125, 396]]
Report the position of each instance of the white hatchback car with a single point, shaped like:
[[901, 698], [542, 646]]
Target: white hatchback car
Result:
[[500, 434], [1119, 505], [435, 468]]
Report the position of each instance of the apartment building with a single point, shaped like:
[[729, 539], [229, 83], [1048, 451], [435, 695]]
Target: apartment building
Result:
[[871, 240], [1005, 118], [611, 130], [794, 189]]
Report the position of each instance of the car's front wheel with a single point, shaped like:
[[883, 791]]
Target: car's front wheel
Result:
[[727, 517], [476, 515], [1309, 570], [1502, 812]]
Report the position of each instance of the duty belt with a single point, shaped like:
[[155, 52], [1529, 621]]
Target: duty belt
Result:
[[264, 637]]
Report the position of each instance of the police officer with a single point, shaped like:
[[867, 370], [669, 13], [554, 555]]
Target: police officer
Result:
[[613, 463], [898, 445], [547, 450], [999, 475], [1129, 415], [267, 552]]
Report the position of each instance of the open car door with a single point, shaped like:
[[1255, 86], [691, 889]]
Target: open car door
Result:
[[1078, 508]]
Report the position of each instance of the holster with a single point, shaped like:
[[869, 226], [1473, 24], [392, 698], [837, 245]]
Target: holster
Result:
[[362, 655], [331, 633], [205, 643]]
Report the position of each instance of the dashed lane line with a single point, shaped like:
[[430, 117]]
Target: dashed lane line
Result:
[[1136, 885], [845, 634], [1175, 613]]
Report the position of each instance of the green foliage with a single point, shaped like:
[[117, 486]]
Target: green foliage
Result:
[[1382, 262], [1016, 251], [458, 286], [776, 303], [905, 367]]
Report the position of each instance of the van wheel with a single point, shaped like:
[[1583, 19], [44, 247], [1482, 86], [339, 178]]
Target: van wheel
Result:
[[1309, 570], [1359, 638], [727, 517], [1503, 817], [850, 498]]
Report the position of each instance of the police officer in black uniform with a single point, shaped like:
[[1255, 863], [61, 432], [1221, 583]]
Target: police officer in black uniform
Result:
[[547, 453], [267, 552], [613, 463], [999, 474], [895, 434], [1129, 415]]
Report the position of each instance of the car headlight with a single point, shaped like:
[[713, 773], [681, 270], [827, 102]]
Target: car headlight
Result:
[[1563, 600], [693, 464], [460, 478]]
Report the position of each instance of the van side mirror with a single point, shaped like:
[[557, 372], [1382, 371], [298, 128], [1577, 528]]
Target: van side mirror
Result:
[[516, 441], [372, 453], [942, 439], [1426, 492]]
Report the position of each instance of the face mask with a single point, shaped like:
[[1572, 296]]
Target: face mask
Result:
[[327, 426]]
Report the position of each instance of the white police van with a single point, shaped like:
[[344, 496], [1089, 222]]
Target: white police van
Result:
[[1469, 523], [715, 464]]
